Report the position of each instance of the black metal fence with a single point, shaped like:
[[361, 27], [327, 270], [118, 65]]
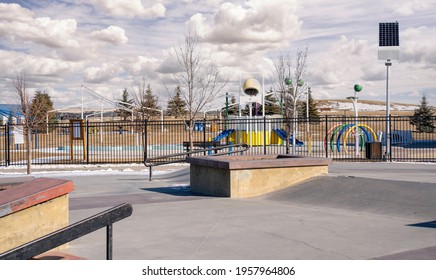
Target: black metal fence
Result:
[[133, 142]]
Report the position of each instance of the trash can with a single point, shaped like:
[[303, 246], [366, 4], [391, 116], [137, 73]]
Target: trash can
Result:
[[373, 150]]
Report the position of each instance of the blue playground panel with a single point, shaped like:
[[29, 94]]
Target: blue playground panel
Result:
[[225, 133], [282, 134]]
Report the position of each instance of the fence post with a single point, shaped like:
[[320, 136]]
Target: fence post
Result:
[[8, 149], [264, 135], [390, 138], [145, 139], [87, 141], [204, 135], [326, 135], [36, 138]]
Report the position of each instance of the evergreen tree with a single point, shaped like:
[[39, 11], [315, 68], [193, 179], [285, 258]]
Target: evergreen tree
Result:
[[145, 101], [150, 102], [313, 109], [423, 117], [233, 106], [125, 105], [176, 105], [40, 106], [271, 105]]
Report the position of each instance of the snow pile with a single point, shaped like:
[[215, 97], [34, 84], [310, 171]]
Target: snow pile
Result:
[[363, 107], [83, 170]]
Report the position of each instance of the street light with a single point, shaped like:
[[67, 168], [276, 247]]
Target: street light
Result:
[[357, 88], [389, 49]]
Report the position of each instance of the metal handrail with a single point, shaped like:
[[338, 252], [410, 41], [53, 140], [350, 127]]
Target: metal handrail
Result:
[[72, 232], [240, 148]]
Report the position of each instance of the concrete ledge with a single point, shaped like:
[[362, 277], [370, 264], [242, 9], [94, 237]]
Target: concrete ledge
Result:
[[57, 255], [247, 176], [31, 208]]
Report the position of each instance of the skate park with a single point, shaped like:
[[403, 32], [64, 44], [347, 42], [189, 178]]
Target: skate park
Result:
[[357, 211]]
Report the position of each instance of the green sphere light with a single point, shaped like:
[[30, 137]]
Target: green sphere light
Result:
[[357, 88], [288, 81]]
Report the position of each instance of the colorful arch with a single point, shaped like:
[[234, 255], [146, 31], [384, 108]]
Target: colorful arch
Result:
[[345, 129], [365, 129]]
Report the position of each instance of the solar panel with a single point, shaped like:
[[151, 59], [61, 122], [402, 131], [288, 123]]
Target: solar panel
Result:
[[389, 41], [388, 34]]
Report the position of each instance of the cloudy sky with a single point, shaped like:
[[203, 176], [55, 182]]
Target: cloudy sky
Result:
[[109, 45]]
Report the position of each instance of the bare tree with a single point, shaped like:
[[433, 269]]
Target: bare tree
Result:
[[289, 76], [200, 81], [30, 118]]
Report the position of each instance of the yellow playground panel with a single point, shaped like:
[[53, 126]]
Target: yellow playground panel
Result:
[[255, 138]]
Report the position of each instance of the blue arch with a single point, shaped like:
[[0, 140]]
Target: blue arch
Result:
[[366, 136]]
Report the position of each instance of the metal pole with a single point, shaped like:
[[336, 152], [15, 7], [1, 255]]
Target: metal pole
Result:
[[264, 135], [101, 121], [388, 112], [294, 120], [356, 115], [109, 242], [250, 108], [326, 135], [81, 89], [227, 108], [162, 121], [263, 96], [307, 110]]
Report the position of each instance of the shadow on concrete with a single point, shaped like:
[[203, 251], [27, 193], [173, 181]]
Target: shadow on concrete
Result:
[[180, 175], [431, 224], [176, 191]]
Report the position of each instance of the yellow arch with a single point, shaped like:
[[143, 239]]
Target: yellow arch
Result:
[[349, 130]]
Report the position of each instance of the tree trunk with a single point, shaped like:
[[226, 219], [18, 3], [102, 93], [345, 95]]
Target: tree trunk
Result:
[[29, 150], [288, 134], [191, 132]]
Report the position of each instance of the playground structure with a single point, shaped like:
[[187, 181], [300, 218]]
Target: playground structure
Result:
[[250, 129], [255, 132], [335, 133]]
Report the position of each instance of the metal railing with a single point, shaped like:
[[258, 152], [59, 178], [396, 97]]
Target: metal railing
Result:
[[133, 142], [72, 232], [180, 157]]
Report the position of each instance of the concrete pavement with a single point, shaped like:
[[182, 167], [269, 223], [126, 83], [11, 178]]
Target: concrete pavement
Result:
[[358, 211]]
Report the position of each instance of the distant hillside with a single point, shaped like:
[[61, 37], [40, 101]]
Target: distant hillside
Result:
[[340, 106]]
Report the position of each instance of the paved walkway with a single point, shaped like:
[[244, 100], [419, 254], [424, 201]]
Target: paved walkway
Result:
[[358, 211]]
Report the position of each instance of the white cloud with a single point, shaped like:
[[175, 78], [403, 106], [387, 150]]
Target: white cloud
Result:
[[344, 63], [13, 12], [112, 43], [17, 23], [258, 22], [143, 66], [14, 63], [103, 73], [113, 34], [418, 46], [410, 7], [130, 8]]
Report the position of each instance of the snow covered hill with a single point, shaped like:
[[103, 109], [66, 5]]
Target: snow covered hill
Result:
[[363, 106]]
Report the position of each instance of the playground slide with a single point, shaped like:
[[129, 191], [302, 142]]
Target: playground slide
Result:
[[225, 133], [282, 134]]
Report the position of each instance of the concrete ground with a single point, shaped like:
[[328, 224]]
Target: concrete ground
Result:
[[357, 211]]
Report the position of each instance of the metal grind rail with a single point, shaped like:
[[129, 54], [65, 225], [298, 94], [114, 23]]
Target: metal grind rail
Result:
[[72, 232], [180, 157]]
